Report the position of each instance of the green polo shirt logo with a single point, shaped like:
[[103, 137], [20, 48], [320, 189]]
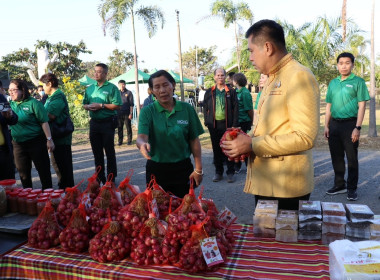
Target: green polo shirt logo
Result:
[[183, 122], [25, 108], [349, 86]]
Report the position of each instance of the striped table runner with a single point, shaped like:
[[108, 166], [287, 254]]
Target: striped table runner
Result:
[[252, 258]]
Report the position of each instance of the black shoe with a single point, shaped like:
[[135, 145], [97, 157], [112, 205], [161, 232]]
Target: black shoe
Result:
[[120, 144], [217, 178], [230, 178], [129, 143], [336, 190], [352, 195]]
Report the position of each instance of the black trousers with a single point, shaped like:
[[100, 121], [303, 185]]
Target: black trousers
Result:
[[64, 161], [340, 143], [245, 126], [102, 136], [285, 203], [7, 169], [35, 151], [124, 119], [172, 177], [219, 157]]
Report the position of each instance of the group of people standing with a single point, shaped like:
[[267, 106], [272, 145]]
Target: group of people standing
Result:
[[30, 125], [282, 124]]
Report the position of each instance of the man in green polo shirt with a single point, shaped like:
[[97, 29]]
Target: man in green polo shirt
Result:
[[103, 100], [345, 107]]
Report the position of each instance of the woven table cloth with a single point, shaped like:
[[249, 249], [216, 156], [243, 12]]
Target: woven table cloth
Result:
[[251, 258]]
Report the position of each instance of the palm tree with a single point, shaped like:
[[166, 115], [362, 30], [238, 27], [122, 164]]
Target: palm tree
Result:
[[344, 20], [230, 14], [115, 12], [372, 103], [317, 44]]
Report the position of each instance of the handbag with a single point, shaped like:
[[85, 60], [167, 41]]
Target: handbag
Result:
[[60, 130], [63, 129]]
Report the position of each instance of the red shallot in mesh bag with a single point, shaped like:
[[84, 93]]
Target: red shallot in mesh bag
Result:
[[231, 134]]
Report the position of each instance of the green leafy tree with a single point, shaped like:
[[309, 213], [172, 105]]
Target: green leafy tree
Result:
[[246, 66], [67, 63], [74, 93], [115, 12], [206, 61], [316, 45], [89, 67], [231, 14], [118, 63]]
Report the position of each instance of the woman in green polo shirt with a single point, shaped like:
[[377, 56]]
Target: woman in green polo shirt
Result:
[[245, 108], [58, 110], [31, 136], [263, 79], [168, 133]]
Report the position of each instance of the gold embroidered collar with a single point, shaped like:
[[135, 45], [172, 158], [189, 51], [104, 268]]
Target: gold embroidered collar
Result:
[[281, 63]]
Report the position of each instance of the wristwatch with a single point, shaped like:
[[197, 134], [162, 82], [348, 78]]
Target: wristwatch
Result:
[[358, 127], [103, 106], [49, 139]]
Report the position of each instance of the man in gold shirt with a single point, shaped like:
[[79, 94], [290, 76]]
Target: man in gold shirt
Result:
[[281, 163]]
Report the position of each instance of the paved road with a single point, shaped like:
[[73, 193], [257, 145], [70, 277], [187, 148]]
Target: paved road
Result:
[[232, 195]]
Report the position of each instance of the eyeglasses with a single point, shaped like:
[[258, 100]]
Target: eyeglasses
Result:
[[12, 90]]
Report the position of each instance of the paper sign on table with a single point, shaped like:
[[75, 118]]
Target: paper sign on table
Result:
[[211, 251], [226, 217]]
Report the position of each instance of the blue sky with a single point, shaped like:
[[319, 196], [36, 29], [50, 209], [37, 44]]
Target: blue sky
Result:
[[23, 22]]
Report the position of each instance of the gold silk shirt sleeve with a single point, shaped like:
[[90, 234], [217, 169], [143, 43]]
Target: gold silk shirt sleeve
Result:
[[289, 118]]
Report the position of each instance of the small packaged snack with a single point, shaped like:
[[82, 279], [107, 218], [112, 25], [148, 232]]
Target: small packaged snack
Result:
[[267, 207], [287, 219], [333, 209], [359, 211], [309, 207]]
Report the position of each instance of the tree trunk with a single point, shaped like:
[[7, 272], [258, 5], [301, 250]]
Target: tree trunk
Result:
[[237, 48], [136, 67], [344, 20], [372, 102]]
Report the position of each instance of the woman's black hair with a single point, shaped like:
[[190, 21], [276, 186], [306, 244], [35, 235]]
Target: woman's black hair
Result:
[[21, 85], [160, 73], [49, 77]]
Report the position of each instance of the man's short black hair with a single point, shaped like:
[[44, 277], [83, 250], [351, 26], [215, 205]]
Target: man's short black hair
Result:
[[346, 54], [40, 86], [121, 82], [104, 66], [231, 74], [267, 30]]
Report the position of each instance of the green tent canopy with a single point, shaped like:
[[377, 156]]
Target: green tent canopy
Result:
[[129, 77], [154, 70], [86, 81], [178, 79]]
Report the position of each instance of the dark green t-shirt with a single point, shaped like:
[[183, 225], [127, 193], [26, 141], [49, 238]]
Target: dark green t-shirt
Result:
[[345, 95], [31, 115], [170, 133], [245, 104], [108, 93], [56, 105]]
